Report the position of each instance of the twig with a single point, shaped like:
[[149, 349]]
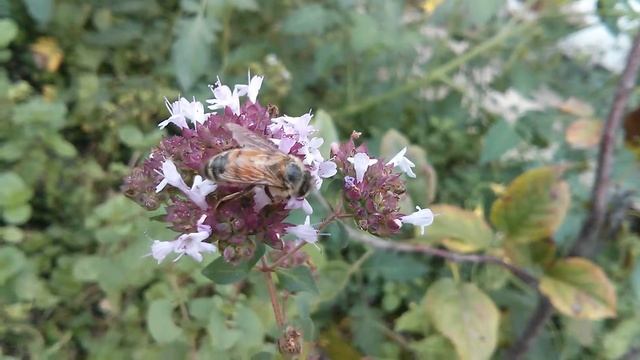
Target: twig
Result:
[[594, 222], [379, 243], [599, 195], [273, 295]]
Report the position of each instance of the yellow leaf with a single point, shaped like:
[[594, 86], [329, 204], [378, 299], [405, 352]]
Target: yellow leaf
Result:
[[583, 133], [579, 288], [465, 315], [533, 206], [429, 6], [458, 229], [576, 107], [47, 54]]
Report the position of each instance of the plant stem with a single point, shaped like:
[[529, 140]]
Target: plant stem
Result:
[[273, 295], [437, 73], [593, 224], [379, 243]]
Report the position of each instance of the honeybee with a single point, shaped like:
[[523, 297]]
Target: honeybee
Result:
[[259, 162]]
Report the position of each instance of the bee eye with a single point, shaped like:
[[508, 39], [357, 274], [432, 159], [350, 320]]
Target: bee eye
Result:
[[293, 173], [305, 185]]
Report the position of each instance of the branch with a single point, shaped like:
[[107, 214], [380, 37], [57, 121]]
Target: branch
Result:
[[379, 243], [593, 224]]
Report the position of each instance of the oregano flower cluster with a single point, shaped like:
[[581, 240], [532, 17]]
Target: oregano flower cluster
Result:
[[173, 176]]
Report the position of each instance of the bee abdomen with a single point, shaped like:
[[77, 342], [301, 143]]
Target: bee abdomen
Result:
[[217, 166]]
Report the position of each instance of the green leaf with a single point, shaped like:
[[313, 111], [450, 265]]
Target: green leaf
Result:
[[413, 320], [458, 229], [61, 146], [192, 50], [327, 130], [395, 267], [579, 288], [160, 321], [13, 190], [8, 32], [297, 279], [312, 19], [465, 315], [619, 340], [364, 33], [40, 10], [130, 135], [221, 272], [533, 206], [12, 261], [500, 138], [39, 113], [17, 215], [88, 268], [434, 347]]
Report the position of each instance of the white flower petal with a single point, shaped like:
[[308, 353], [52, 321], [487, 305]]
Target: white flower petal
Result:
[[361, 163], [422, 218], [160, 249], [299, 203], [304, 232], [260, 198], [405, 165], [327, 169]]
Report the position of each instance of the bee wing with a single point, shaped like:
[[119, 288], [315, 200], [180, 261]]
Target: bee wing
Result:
[[247, 138], [254, 167]]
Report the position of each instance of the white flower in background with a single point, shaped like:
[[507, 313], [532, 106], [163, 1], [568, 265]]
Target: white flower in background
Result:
[[252, 88], [422, 218], [191, 244], [299, 203], [224, 98], [361, 163], [304, 232], [177, 110], [260, 198], [403, 163], [511, 105], [198, 191]]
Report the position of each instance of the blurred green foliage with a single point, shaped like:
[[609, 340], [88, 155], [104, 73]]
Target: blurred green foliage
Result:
[[81, 90]]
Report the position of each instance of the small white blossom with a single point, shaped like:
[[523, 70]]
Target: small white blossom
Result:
[[252, 88], [171, 177], [311, 151], [299, 203], [285, 144], [177, 110], [297, 127], [403, 163], [224, 98], [198, 191], [422, 218], [195, 112], [327, 169], [361, 163], [304, 232], [260, 198], [191, 244]]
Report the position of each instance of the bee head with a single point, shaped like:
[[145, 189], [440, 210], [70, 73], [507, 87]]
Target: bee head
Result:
[[298, 178]]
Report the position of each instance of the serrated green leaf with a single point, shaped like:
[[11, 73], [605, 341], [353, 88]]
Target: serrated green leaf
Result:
[[160, 321], [297, 279], [224, 273], [465, 315], [533, 206]]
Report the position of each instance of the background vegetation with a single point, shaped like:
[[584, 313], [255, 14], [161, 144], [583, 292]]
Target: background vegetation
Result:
[[485, 92]]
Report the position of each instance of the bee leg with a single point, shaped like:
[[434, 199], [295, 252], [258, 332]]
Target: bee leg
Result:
[[233, 196]]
